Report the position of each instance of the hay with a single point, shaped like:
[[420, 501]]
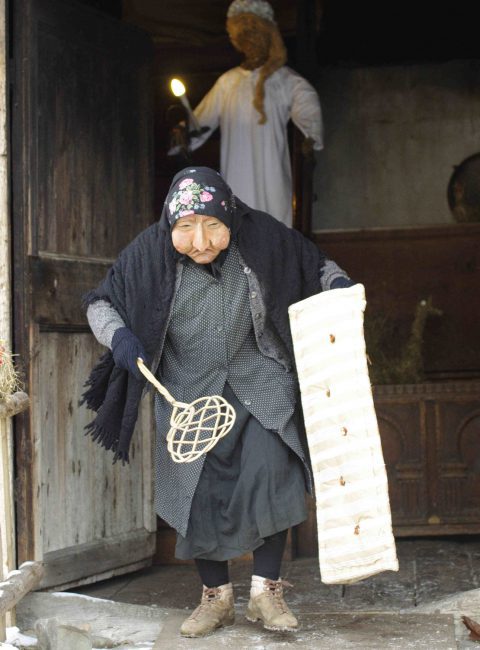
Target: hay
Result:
[[396, 348], [10, 381]]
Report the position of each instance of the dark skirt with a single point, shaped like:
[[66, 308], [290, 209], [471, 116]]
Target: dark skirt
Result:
[[252, 485]]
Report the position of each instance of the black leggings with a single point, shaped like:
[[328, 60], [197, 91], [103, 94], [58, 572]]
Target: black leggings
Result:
[[266, 562]]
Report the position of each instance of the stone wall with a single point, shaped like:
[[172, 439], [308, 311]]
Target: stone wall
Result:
[[393, 135]]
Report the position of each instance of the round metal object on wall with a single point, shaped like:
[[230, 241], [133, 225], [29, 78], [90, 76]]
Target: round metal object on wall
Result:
[[464, 190]]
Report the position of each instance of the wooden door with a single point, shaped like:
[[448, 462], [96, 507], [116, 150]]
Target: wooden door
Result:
[[82, 188]]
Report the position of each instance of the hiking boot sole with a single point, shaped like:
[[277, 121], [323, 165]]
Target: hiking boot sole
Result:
[[274, 628]]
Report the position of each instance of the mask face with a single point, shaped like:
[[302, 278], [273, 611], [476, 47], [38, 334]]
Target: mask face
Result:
[[250, 35], [200, 237]]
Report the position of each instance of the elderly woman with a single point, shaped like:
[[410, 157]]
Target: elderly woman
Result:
[[202, 297]]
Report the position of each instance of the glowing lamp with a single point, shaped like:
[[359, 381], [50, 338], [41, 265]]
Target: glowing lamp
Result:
[[178, 89]]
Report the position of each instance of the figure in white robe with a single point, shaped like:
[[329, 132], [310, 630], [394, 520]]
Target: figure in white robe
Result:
[[254, 158], [252, 105]]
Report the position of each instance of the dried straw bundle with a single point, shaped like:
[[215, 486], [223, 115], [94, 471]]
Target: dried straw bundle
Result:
[[9, 378]]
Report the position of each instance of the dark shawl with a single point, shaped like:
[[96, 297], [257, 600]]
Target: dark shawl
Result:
[[140, 286]]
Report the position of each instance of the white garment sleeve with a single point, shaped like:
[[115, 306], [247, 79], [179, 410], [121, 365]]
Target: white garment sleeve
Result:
[[306, 112], [208, 114], [104, 320]]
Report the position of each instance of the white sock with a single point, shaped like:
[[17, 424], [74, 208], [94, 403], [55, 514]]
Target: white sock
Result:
[[257, 587]]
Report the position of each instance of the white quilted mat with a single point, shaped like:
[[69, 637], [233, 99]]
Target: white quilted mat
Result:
[[355, 538]]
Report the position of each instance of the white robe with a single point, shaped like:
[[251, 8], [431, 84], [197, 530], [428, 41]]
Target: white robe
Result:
[[254, 157]]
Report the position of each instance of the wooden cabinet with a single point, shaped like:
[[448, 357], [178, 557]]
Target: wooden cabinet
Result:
[[431, 445]]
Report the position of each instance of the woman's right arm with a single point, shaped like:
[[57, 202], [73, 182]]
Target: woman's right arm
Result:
[[104, 321], [110, 330]]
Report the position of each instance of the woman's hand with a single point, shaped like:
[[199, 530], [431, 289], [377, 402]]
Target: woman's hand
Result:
[[342, 283], [126, 348]]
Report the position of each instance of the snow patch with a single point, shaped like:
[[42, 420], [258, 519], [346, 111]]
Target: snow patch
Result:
[[16, 638], [68, 594]]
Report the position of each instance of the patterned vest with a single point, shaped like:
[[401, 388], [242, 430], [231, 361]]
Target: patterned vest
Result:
[[211, 341]]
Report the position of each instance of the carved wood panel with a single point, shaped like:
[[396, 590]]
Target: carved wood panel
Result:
[[458, 449], [431, 442], [402, 429], [431, 445]]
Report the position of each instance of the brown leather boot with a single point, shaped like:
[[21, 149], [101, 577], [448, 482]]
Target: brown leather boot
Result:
[[270, 607], [215, 610]]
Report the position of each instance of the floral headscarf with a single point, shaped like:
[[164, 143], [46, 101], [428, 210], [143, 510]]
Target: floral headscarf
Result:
[[199, 191]]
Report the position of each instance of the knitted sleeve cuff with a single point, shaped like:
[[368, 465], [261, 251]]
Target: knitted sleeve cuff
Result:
[[333, 277], [104, 320]]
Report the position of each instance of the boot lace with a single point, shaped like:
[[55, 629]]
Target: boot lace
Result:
[[209, 597], [275, 589]]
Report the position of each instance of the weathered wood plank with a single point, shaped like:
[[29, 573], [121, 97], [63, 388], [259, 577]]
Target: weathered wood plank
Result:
[[23, 194], [72, 564], [7, 516], [5, 277], [83, 188], [5, 280], [57, 289], [104, 98], [78, 482], [2, 616]]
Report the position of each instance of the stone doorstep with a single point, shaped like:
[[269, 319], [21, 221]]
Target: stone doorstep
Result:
[[324, 631], [119, 623]]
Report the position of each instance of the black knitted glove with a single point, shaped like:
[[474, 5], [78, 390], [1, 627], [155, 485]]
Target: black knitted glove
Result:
[[126, 348], [342, 283]]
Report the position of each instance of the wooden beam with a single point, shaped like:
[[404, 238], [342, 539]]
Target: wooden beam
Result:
[[302, 172], [73, 564], [5, 277], [2, 617], [7, 517], [5, 258], [18, 583], [7, 528], [14, 404], [9, 407]]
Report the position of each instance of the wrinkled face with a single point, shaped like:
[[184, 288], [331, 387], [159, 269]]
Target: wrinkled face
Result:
[[200, 237], [250, 35]]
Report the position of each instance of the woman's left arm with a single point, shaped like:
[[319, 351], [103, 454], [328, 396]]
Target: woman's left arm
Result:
[[333, 277]]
